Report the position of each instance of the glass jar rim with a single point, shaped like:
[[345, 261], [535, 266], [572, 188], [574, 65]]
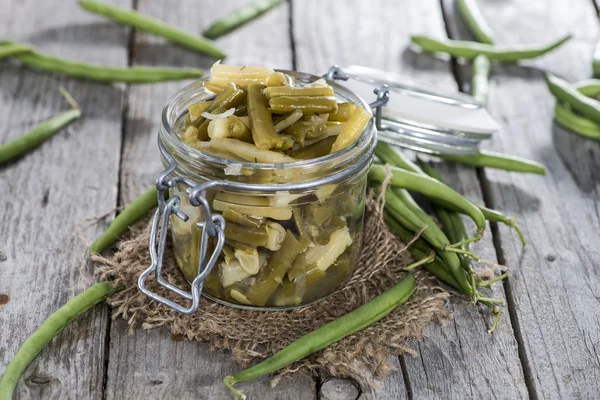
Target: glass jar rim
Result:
[[183, 152]]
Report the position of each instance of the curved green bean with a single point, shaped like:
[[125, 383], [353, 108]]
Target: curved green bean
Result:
[[10, 49], [239, 17], [332, 332], [148, 24], [567, 93], [470, 50], [51, 327], [433, 189], [573, 122], [131, 214], [81, 70], [495, 160], [475, 21], [40, 133]]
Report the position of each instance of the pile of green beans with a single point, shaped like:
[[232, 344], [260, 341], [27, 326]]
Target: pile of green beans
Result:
[[576, 106], [51, 327], [359, 319], [148, 24], [41, 132], [239, 18]]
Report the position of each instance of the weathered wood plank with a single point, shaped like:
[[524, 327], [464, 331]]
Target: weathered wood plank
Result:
[[185, 369], [379, 38], [554, 283], [48, 192]]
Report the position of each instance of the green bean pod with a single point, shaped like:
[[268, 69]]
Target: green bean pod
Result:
[[475, 21], [37, 135], [10, 49], [239, 18], [495, 160], [567, 93], [130, 215], [480, 75], [148, 24], [332, 332], [573, 122], [470, 50], [81, 70], [49, 329], [431, 188]]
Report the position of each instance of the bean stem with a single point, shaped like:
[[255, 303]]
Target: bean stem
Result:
[[148, 24], [332, 332], [239, 18], [76, 69], [53, 325], [493, 280], [470, 50], [131, 214], [40, 133], [425, 260]]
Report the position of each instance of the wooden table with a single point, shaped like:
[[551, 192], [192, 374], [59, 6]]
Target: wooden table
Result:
[[547, 344]]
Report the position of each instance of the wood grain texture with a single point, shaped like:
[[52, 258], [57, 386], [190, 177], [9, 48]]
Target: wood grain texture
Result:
[[151, 364], [48, 192], [379, 38], [555, 282]]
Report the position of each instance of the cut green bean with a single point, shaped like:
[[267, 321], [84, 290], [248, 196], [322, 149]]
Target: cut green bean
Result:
[[49, 329], [263, 132], [306, 130], [239, 17], [317, 149], [129, 17], [352, 129], [126, 218], [10, 49], [40, 133], [475, 21], [480, 75], [306, 104], [81, 70], [567, 93], [431, 188], [249, 152], [343, 114], [357, 320], [470, 50], [295, 91], [495, 160], [288, 120]]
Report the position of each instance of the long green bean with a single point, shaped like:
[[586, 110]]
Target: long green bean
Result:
[[567, 93], [475, 21], [495, 160], [470, 50], [364, 316], [51, 327], [433, 189], [239, 17], [575, 123], [10, 49], [36, 59], [40, 133], [148, 24], [131, 214]]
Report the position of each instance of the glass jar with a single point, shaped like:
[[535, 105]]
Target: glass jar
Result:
[[293, 231]]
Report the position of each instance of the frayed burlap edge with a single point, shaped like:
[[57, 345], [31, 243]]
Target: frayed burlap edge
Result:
[[252, 335]]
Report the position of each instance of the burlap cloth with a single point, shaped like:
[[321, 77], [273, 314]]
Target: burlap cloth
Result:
[[252, 335]]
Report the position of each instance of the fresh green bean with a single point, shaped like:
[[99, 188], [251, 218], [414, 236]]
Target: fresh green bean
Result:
[[567, 93], [480, 75], [9, 49], [50, 328], [239, 17], [263, 132], [40, 133], [470, 50], [495, 160], [131, 214], [575, 123], [81, 70], [431, 188], [475, 21], [362, 317], [148, 24]]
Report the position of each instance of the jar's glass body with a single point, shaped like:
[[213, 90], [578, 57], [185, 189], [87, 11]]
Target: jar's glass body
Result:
[[285, 248]]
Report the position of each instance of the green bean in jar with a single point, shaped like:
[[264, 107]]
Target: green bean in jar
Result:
[[255, 125]]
